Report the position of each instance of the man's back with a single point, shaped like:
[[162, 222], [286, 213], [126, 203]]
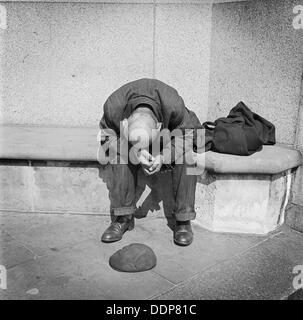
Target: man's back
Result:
[[164, 100]]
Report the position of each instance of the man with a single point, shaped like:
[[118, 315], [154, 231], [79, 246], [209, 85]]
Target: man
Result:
[[139, 112]]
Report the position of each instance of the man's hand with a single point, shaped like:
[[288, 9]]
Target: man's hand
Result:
[[150, 164], [145, 159], [156, 165]]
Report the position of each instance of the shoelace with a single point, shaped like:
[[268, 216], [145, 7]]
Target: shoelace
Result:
[[117, 225]]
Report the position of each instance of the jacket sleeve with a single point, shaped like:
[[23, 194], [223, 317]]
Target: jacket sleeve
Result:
[[107, 139], [181, 143], [107, 130], [180, 126], [113, 109], [110, 125]]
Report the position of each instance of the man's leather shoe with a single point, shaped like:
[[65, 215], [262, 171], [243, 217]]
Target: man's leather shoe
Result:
[[183, 234], [117, 228]]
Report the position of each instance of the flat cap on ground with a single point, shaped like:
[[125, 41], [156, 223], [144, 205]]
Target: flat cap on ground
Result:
[[135, 257]]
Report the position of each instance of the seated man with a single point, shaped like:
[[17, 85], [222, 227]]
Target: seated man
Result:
[[138, 113]]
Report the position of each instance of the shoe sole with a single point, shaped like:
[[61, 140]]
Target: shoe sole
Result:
[[110, 241], [182, 244]]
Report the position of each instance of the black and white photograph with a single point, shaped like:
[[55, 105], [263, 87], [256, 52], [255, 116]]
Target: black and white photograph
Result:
[[151, 150]]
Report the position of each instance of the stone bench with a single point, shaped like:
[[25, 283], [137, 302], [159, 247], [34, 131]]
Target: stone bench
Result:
[[247, 194], [55, 170]]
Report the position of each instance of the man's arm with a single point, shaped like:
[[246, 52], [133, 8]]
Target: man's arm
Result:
[[178, 123], [108, 145], [180, 147], [108, 136]]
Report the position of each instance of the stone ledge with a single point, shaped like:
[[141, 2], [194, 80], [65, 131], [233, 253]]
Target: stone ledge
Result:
[[48, 143], [270, 160], [80, 144]]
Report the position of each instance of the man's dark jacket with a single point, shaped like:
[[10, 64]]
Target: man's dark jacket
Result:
[[242, 132], [165, 102]]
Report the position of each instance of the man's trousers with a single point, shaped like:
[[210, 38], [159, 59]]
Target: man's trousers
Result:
[[122, 190]]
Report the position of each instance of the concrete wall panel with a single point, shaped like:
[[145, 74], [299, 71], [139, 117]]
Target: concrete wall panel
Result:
[[182, 52], [61, 61], [257, 57]]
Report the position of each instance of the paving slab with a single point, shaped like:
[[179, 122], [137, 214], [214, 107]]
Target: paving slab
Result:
[[44, 233], [177, 263], [12, 252], [263, 272], [50, 256], [80, 272]]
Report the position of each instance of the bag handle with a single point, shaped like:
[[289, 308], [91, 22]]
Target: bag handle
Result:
[[209, 125]]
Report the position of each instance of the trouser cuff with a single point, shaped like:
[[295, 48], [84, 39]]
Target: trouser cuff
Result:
[[185, 216], [124, 211]]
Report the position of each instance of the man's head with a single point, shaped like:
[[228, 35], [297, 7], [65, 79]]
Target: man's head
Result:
[[143, 127]]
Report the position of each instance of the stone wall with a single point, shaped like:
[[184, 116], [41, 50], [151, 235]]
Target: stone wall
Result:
[[257, 57], [60, 60]]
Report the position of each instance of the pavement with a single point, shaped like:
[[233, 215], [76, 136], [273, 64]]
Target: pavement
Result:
[[60, 256]]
